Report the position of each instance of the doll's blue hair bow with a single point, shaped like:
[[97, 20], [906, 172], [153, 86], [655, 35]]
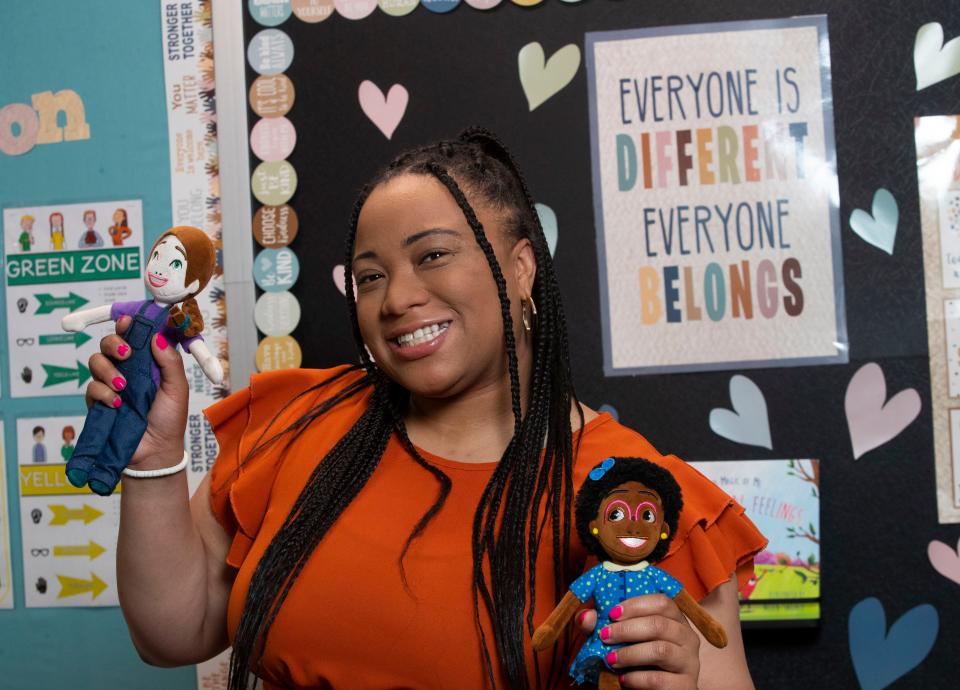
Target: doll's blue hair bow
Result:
[[597, 472]]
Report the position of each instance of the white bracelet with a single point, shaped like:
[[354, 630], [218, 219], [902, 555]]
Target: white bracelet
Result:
[[162, 472]]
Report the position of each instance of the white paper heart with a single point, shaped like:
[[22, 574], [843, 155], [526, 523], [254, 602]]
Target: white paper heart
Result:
[[879, 227], [747, 423], [932, 60]]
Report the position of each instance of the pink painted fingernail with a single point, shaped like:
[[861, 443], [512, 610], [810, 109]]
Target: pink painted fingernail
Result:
[[612, 658], [116, 402], [122, 350], [161, 341], [605, 633], [622, 679], [119, 383], [616, 612], [581, 616]]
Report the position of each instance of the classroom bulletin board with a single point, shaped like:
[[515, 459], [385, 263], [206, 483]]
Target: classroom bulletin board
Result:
[[730, 192]]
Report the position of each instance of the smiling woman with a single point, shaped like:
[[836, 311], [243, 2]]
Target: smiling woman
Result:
[[424, 497]]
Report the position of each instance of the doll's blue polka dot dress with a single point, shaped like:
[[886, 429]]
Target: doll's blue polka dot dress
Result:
[[610, 584]]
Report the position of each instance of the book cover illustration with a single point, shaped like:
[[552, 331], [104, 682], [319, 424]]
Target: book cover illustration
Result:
[[782, 497]]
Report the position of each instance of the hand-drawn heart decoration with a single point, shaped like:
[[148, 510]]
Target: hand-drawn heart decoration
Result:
[[932, 60], [945, 560], [747, 422], [542, 78], [548, 221], [384, 112], [872, 419], [879, 229], [880, 656]]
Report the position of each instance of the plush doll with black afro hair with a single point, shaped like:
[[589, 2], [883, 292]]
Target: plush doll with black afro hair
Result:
[[626, 515]]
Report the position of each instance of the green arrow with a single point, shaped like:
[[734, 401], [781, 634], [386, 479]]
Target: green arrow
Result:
[[48, 302], [57, 374], [76, 339]]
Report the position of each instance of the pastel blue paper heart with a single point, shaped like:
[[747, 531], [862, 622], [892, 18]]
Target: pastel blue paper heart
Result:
[[612, 410], [881, 656], [879, 229], [747, 423], [548, 220]]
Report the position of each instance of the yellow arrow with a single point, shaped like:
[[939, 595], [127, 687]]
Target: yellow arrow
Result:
[[93, 549], [72, 586], [62, 515]]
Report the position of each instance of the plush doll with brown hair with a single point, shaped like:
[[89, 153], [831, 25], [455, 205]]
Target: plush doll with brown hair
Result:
[[178, 268], [626, 515]]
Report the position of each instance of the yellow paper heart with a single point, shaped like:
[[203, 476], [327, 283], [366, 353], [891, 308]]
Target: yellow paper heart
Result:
[[541, 78]]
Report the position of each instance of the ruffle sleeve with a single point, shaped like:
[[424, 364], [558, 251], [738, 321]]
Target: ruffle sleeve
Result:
[[240, 488], [714, 536]]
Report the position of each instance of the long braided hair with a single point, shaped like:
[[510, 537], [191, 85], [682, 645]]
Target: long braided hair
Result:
[[524, 495]]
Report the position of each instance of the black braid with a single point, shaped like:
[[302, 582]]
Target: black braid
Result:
[[522, 486]]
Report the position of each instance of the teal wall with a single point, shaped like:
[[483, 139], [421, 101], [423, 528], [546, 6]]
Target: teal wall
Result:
[[110, 53]]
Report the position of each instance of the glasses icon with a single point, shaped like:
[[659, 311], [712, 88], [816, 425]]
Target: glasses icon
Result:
[[39, 552], [25, 341]]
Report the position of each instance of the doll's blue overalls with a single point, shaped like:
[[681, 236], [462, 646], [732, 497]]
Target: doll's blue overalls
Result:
[[110, 436]]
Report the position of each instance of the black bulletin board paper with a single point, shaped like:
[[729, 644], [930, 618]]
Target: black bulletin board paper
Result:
[[879, 512]]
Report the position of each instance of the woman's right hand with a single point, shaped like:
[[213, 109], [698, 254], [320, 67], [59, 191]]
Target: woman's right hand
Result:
[[162, 442]]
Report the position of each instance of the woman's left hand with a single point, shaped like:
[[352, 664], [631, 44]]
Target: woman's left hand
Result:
[[656, 634]]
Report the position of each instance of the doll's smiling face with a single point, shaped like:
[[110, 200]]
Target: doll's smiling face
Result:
[[167, 272], [629, 523]]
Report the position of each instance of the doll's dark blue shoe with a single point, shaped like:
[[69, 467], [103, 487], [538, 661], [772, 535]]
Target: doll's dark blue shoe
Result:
[[100, 488], [102, 481], [77, 477]]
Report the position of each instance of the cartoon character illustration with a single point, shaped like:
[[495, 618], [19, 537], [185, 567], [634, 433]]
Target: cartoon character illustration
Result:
[[26, 232], [626, 513], [90, 238], [179, 266], [39, 450], [68, 434], [56, 230], [119, 231]]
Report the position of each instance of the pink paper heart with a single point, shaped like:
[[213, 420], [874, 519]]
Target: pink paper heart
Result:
[[339, 279], [384, 112], [871, 420], [945, 560]]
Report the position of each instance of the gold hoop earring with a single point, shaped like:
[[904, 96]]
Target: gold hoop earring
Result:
[[528, 318]]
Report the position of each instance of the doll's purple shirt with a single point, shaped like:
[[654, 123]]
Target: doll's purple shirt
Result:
[[172, 335]]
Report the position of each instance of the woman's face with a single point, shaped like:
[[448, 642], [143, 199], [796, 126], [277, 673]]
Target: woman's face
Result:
[[629, 523], [118, 216], [426, 298]]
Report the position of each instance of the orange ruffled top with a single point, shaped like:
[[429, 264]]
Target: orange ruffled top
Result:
[[349, 622]]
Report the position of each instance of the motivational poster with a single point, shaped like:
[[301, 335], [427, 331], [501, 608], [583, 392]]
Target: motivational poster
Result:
[[715, 196]]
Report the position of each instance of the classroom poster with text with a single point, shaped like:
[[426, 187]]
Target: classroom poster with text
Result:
[[59, 259], [715, 196]]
